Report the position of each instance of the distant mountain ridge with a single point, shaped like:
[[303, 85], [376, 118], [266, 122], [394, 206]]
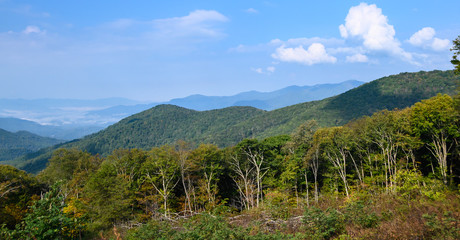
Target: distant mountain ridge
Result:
[[165, 124], [262, 100], [13, 145], [267, 100], [71, 119], [58, 132]]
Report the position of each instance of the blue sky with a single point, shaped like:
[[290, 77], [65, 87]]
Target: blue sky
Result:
[[158, 50]]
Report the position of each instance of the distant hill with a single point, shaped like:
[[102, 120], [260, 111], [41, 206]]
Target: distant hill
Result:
[[167, 123], [13, 145], [267, 100], [66, 132], [261, 100]]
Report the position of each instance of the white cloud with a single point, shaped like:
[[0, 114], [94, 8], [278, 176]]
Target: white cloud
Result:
[[367, 22], [440, 44], [357, 58], [32, 29], [422, 36], [293, 42], [199, 22], [269, 70], [316, 53], [251, 10], [425, 38]]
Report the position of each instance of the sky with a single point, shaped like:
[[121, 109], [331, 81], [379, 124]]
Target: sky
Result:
[[154, 51]]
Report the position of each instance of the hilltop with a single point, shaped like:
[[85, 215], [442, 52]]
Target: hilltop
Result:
[[13, 145]]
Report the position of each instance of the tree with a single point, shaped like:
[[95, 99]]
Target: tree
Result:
[[63, 164], [300, 146], [107, 197], [312, 160], [17, 192], [161, 171], [207, 160], [455, 61], [255, 156], [47, 220], [436, 122], [183, 151], [243, 177], [336, 143]]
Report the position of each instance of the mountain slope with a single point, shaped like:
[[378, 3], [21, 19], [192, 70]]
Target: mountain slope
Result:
[[395, 91], [13, 145], [166, 123]]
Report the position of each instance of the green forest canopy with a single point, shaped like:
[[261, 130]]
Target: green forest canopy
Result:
[[380, 176]]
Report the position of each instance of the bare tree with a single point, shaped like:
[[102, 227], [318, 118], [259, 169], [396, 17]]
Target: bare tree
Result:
[[244, 181], [256, 158]]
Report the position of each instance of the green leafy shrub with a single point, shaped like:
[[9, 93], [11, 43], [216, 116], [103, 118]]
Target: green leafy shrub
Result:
[[358, 213], [445, 227], [277, 204], [323, 224], [48, 221], [152, 230], [205, 226]]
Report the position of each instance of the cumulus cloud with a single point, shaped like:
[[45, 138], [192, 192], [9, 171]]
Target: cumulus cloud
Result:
[[316, 53], [357, 58], [199, 22], [367, 22], [271, 69], [32, 29], [422, 36], [425, 38]]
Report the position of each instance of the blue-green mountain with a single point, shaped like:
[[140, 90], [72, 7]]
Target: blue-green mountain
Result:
[[13, 145]]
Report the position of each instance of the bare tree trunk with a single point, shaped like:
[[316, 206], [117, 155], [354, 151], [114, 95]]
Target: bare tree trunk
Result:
[[257, 160], [306, 183], [340, 163], [243, 182], [314, 167], [356, 167], [440, 150]]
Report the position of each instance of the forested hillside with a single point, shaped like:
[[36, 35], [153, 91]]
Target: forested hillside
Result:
[[59, 132], [165, 124], [392, 175], [13, 145], [396, 91]]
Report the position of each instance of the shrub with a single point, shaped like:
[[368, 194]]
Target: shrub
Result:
[[358, 213], [152, 230], [205, 226], [445, 227], [323, 224], [278, 205]]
